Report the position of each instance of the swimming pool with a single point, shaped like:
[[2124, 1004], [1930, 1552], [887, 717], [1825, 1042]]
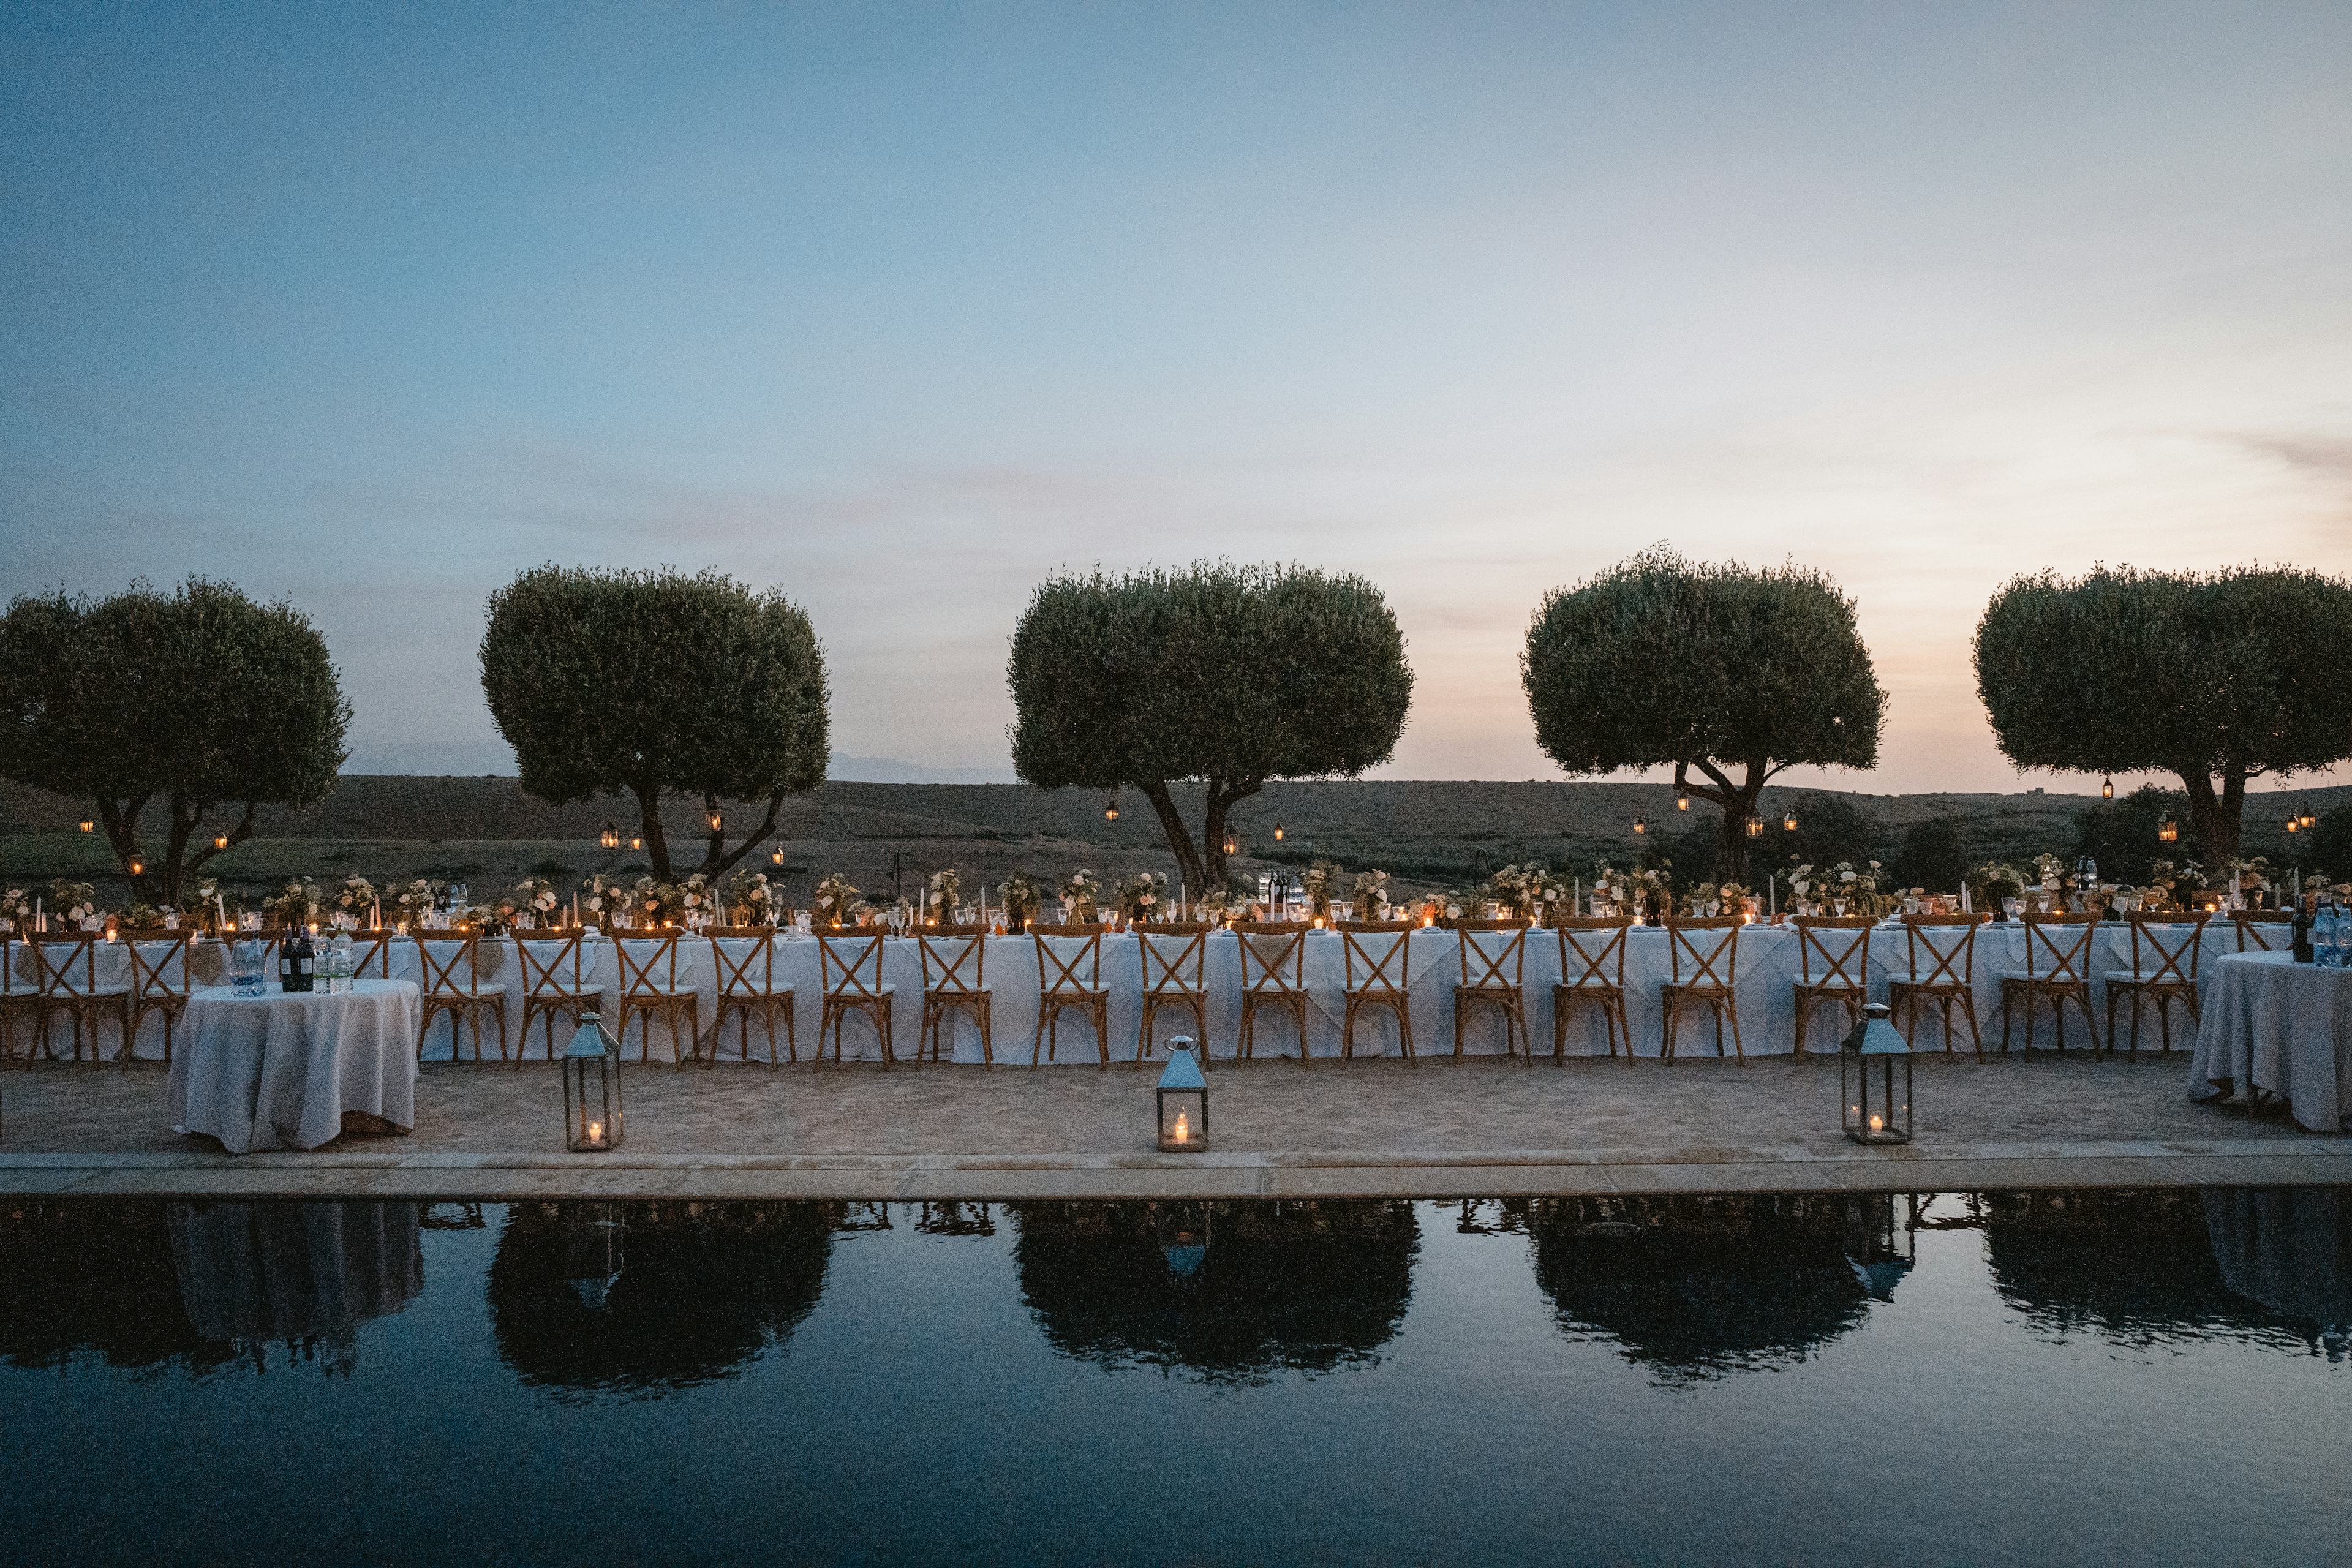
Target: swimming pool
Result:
[[2079, 1376]]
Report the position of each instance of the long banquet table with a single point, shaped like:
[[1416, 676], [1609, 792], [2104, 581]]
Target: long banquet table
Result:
[[2274, 1026], [1767, 964]]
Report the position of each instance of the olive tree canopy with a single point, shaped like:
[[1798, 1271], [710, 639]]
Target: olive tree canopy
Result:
[[2217, 678], [194, 699], [1734, 673], [1233, 675], [655, 682]]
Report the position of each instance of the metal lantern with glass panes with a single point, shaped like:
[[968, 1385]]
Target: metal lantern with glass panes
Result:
[[592, 1087], [595, 1252], [1183, 1102], [1874, 1099]]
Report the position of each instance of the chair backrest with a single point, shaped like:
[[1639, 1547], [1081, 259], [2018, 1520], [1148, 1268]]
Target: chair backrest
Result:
[[1069, 958], [1592, 949], [1947, 945], [455, 969], [160, 968], [850, 966], [955, 958], [647, 962], [1172, 957], [1380, 947], [9, 942], [1277, 950], [65, 962], [1494, 953], [552, 962], [2067, 952], [2164, 948], [1710, 947], [373, 949], [743, 958], [2255, 929], [1842, 946]]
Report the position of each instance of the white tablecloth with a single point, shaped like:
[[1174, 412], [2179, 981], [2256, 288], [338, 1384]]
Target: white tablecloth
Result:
[[279, 1071], [2280, 1027]]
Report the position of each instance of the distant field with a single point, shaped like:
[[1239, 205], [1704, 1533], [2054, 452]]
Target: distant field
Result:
[[486, 832]]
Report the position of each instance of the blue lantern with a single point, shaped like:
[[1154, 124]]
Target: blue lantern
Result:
[[1183, 1102], [592, 1087], [1875, 1110]]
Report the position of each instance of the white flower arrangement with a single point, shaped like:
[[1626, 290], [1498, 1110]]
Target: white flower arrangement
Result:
[[946, 891]]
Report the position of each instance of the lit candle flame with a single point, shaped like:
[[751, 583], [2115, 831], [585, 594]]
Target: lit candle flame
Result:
[[596, 1132], [1184, 1129], [1877, 1122]]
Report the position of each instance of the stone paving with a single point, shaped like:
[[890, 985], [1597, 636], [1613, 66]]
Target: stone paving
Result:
[[1438, 1128]]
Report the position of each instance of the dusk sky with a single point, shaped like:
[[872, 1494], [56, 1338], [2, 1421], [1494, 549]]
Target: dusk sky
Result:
[[900, 309]]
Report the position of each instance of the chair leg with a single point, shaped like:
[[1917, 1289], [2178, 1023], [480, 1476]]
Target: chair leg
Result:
[[1731, 1006], [1976, 1037], [1037, 1040]]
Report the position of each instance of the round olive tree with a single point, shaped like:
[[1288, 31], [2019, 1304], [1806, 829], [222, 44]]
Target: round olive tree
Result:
[[1233, 675], [655, 683], [190, 701], [2214, 678], [1721, 669]]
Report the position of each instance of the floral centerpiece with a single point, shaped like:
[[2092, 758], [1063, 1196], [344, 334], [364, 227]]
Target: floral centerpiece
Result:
[[1516, 888], [414, 898], [1019, 895], [356, 899], [1368, 890], [603, 899], [753, 897], [1141, 897], [2253, 875], [698, 904], [946, 894], [1613, 889], [72, 902], [295, 904], [1857, 889], [835, 901], [1653, 887], [538, 899], [1733, 898], [1995, 882], [16, 907], [1217, 905], [1080, 894], [1318, 884], [2050, 871]]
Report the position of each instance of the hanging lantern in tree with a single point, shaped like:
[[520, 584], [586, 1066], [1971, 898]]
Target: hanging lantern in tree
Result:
[[592, 1087], [88, 826], [776, 856], [1755, 826], [611, 837], [2305, 820], [636, 841], [1789, 821], [1183, 1102], [1640, 827], [1682, 800], [1233, 843], [2106, 789], [1277, 833], [1110, 808], [2166, 830], [1877, 1109], [138, 866], [220, 840], [716, 819]]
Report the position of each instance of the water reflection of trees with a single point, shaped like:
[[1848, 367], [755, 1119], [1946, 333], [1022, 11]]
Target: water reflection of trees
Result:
[[200, 1286], [692, 1292], [2136, 1267], [1229, 1291], [1696, 1289]]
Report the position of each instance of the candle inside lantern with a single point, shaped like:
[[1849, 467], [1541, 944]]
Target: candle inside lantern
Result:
[[1877, 1122], [596, 1131], [1183, 1133]]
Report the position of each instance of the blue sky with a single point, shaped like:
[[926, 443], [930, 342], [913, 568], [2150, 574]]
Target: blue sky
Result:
[[902, 308]]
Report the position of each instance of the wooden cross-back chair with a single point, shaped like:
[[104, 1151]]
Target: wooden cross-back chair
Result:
[[1069, 975], [2057, 968], [18, 993], [1832, 965], [955, 978], [451, 981], [556, 983], [1709, 950], [1173, 957], [2164, 951], [159, 983], [66, 964], [849, 969], [1591, 973], [1940, 957], [648, 961], [2255, 928], [1274, 978], [373, 949], [1493, 955], [1382, 952], [748, 988]]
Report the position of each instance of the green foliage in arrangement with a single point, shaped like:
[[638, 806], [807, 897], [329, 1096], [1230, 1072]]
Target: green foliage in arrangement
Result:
[[1731, 672], [192, 701], [1229, 673], [656, 683], [2216, 677]]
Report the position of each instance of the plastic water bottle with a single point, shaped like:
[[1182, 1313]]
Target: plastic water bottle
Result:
[[244, 969], [342, 961], [2326, 938], [2339, 932]]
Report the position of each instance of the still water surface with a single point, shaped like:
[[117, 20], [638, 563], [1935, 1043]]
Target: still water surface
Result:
[[2076, 1377]]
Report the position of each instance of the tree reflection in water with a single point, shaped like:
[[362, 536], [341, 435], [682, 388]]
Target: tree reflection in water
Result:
[[1696, 1288], [2136, 1267], [200, 1286], [691, 1292], [1233, 1292]]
